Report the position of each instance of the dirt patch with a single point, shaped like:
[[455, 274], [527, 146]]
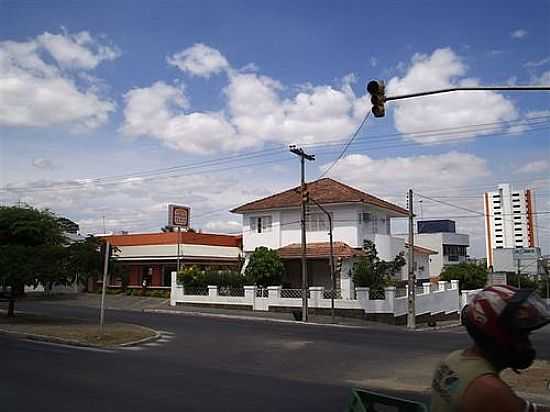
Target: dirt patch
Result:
[[74, 330], [536, 379]]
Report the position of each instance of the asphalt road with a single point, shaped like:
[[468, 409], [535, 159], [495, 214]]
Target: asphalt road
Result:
[[207, 364]]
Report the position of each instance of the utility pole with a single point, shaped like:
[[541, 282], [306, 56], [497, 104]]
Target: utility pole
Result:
[[411, 316], [331, 262], [303, 157], [178, 257], [519, 273], [104, 286]]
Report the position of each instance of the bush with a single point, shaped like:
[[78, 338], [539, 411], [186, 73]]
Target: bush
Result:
[[265, 268], [372, 272], [470, 275], [195, 277]]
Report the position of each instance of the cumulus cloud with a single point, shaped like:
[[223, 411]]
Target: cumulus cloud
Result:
[[444, 69], [519, 34], [37, 88], [258, 110], [535, 167], [224, 226], [199, 60], [41, 163], [542, 80], [389, 176]]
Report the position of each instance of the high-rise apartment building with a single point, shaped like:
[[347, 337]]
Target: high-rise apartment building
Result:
[[510, 220]]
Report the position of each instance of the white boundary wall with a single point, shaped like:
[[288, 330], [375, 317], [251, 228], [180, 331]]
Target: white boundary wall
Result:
[[445, 299]]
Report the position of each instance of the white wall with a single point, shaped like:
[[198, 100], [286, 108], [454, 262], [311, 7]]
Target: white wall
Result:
[[271, 239]]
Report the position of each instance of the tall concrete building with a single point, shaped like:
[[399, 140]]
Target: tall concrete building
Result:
[[510, 220]]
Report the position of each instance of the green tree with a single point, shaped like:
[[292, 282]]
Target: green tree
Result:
[[31, 249], [265, 268], [84, 260], [471, 275], [372, 272]]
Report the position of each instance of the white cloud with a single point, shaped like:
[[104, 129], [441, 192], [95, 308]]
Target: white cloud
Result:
[[199, 60], [542, 80], [373, 61], [224, 226], [41, 163], [537, 114], [444, 69], [394, 175], [157, 111], [258, 110], [519, 34], [35, 92], [538, 63], [77, 50], [535, 167]]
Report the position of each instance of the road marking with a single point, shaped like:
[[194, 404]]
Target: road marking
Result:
[[165, 332], [152, 344], [132, 348], [163, 340], [61, 345]]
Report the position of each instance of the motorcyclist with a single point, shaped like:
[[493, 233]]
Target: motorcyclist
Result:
[[499, 320]]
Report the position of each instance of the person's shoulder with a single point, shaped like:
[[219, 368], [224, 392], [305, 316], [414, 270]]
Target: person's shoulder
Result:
[[489, 393]]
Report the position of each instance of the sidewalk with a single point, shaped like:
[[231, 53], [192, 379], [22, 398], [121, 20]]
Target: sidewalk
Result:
[[159, 305]]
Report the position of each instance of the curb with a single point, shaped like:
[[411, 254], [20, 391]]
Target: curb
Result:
[[258, 319], [427, 329], [72, 342]]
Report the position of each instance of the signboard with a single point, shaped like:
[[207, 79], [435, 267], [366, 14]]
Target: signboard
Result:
[[178, 216], [496, 278], [525, 253]]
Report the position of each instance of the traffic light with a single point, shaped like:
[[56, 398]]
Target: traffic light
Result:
[[376, 89]]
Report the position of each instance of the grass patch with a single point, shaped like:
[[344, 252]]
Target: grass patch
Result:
[[75, 330]]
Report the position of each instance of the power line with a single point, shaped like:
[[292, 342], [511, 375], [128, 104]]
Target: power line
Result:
[[257, 154], [353, 136]]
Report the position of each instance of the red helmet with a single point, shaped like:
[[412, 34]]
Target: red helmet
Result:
[[504, 312]]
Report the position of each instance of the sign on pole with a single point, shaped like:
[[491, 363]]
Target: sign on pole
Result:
[[178, 216]]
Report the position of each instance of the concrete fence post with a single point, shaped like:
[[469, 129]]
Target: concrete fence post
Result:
[[315, 296], [455, 283], [427, 288], [363, 297], [441, 284], [212, 290], [273, 295], [389, 294], [250, 295], [174, 288]]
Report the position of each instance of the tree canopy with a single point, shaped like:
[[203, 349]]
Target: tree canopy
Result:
[[265, 267], [471, 275], [373, 272]]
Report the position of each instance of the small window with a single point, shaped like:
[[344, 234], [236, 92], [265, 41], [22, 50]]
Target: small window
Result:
[[260, 224]]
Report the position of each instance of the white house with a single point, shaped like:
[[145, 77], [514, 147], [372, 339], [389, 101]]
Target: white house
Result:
[[274, 222]]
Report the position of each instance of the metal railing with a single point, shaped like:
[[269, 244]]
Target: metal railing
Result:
[[330, 293], [292, 293], [261, 293], [227, 291], [195, 291]]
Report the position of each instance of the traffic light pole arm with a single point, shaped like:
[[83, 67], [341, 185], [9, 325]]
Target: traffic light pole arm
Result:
[[457, 89]]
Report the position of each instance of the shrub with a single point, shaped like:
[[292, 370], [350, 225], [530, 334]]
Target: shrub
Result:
[[193, 276], [265, 268], [471, 275], [372, 272]]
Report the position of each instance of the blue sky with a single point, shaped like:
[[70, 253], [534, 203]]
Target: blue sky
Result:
[[142, 86]]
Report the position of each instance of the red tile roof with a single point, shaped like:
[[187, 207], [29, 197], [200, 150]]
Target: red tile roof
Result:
[[321, 249], [324, 191], [170, 238], [422, 250]]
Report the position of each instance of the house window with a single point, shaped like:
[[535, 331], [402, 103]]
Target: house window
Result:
[[260, 224], [317, 222]]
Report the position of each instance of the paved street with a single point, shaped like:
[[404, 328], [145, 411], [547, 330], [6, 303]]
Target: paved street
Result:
[[208, 364]]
